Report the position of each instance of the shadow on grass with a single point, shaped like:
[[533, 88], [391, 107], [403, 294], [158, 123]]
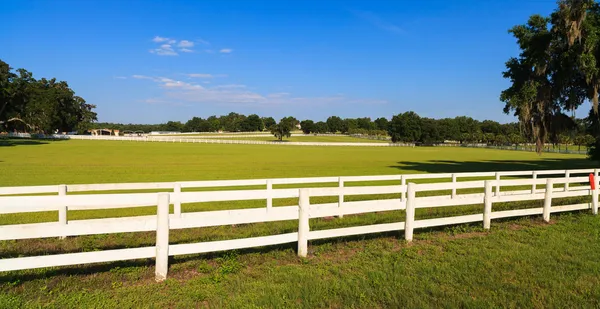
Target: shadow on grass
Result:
[[11, 142], [447, 166]]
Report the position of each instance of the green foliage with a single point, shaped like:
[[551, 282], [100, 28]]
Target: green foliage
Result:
[[556, 71], [283, 128], [334, 124], [268, 122], [405, 127], [253, 123], [308, 126], [40, 106]]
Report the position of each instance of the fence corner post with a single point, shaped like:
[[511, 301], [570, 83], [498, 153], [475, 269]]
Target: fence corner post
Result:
[[548, 199], [177, 199], [487, 208], [269, 194], [341, 198], [453, 185], [62, 210], [410, 212], [162, 237]]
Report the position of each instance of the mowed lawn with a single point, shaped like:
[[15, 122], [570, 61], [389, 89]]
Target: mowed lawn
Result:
[[72, 162], [521, 262]]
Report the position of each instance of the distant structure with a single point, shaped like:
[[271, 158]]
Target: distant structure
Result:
[[104, 132], [164, 132]]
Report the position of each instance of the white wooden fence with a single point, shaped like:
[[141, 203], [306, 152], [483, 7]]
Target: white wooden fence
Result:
[[13, 201]]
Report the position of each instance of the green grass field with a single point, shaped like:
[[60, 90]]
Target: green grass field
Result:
[[519, 263]]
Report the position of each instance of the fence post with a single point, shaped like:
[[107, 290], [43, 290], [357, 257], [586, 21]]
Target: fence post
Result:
[[548, 199], [269, 194], [162, 237], [487, 205], [340, 197], [497, 184], [177, 200], [303, 227], [410, 213], [62, 210], [567, 178], [402, 194], [595, 193], [454, 185], [534, 186]]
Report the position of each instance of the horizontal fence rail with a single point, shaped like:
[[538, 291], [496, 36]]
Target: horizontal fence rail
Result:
[[410, 196]]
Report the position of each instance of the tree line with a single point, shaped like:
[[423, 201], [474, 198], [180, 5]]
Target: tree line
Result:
[[407, 127], [40, 105]]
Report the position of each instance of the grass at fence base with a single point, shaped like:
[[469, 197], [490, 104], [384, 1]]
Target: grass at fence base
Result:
[[519, 263]]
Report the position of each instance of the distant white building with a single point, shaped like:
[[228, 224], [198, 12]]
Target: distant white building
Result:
[[164, 132]]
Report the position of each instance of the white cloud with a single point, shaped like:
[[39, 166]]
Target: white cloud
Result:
[[164, 50], [200, 75], [201, 41], [186, 50], [185, 44], [235, 94], [226, 50], [378, 21], [142, 77], [159, 39]]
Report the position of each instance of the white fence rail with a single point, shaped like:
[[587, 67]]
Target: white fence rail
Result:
[[412, 198]]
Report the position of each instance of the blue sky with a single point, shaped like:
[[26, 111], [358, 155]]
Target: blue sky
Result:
[[154, 61]]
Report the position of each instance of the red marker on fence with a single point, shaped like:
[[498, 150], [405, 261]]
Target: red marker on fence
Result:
[[592, 182]]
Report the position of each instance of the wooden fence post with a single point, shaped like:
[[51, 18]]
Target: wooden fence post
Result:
[[567, 178], [340, 197], [269, 194], [487, 208], [177, 200], [454, 185], [534, 186], [410, 213], [303, 226], [497, 184], [402, 194], [162, 237], [62, 210], [548, 199]]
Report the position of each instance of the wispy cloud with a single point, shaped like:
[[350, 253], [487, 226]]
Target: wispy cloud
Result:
[[201, 41], [226, 50], [185, 44], [378, 21], [199, 75], [159, 39], [236, 94], [164, 50], [186, 50]]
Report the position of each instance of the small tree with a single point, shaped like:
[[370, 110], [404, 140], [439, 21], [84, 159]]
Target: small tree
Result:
[[282, 129]]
